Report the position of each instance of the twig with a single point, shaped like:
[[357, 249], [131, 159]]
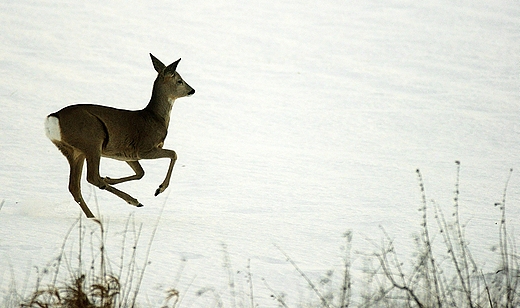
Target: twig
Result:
[[132, 266], [62, 250], [346, 285], [427, 241], [231, 279], [311, 284], [140, 279], [390, 277], [504, 246], [465, 281], [274, 295], [487, 290], [250, 279]]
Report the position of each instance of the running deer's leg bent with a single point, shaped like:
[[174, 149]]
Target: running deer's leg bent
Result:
[[139, 173], [95, 179], [163, 153], [88, 132], [166, 181]]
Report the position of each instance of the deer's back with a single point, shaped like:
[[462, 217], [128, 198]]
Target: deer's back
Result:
[[120, 134]]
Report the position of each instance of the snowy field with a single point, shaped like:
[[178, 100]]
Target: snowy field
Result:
[[310, 119]]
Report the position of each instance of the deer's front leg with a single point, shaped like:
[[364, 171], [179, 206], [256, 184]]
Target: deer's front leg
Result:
[[166, 181], [139, 173], [163, 153]]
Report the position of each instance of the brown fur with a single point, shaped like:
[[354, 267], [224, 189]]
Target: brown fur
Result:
[[89, 132]]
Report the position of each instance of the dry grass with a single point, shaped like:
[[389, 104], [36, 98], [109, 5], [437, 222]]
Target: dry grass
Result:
[[433, 279], [450, 279], [83, 277]]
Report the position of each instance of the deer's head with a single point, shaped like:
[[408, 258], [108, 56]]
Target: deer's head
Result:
[[169, 82]]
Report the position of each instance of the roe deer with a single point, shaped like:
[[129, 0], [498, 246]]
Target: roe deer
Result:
[[91, 131]]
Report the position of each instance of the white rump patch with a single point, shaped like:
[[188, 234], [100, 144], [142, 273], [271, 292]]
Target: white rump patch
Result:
[[52, 128]]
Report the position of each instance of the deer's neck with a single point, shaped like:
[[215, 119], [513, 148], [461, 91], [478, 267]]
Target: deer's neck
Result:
[[160, 106]]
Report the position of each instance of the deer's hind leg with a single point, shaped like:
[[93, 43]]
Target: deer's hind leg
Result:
[[139, 173], [76, 160], [95, 179]]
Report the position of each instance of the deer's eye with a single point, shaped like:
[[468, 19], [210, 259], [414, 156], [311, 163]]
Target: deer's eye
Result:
[[179, 81]]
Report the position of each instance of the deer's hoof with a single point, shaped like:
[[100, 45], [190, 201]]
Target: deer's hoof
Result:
[[139, 205], [158, 191]]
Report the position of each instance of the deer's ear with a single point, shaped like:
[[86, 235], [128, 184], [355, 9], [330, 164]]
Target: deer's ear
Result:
[[172, 67], [157, 64]]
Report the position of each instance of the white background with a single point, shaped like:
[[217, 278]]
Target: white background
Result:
[[310, 119]]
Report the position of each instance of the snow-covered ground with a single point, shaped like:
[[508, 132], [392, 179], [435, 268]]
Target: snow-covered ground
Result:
[[310, 119]]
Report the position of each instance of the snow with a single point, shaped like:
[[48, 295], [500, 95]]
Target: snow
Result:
[[309, 119]]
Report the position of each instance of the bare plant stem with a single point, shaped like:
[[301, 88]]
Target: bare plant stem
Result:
[[444, 229], [346, 285], [131, 268], [383, 261], [147, 256], [62, 251], [250, 279], [427, 242], [274, 294], [507, 264], [231, 279], [465, 280], [461, 266], [311, 284]]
